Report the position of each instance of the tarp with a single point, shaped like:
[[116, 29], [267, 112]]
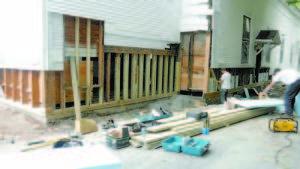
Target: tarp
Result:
[[257, 103]]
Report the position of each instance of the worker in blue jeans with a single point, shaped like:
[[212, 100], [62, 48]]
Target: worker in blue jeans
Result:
[[225, 81], [292, 79]]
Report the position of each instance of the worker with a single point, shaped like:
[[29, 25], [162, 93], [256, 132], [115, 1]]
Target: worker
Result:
[[292, 79], [225, 81]]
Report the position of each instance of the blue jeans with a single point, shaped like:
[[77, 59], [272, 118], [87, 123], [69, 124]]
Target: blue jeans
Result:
[[289, 97], [224, 95]]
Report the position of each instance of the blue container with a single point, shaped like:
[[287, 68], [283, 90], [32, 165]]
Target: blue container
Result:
[[205, 131], [195, 147], [173, 144], [297, 105]]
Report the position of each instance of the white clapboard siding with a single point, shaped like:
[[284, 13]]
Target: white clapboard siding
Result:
[[264, 14]]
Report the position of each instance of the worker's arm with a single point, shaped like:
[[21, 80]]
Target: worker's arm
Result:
[[268, 88]]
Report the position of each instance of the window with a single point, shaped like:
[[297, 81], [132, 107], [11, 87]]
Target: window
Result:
[[282, 50], [246, 40]]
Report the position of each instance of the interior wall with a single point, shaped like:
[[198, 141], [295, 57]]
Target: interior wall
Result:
[[264, 14]]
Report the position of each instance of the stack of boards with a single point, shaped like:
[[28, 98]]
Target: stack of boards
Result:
[[180, 126]]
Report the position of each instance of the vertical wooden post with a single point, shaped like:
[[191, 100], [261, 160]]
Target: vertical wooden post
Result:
[[108, 63], [25, 98], [125, 76], [166, 74], [141, 74], [35, 89], [177, 77], [101, 61], [75, 95], [77, 42], [134, 76], [206, 66], [42, 91], [15, 91], [154, 67], [117, 77], [20, 85], [88, 63], [147, 84], [7, 80], [62, 90], [160, 73], [171, 80]]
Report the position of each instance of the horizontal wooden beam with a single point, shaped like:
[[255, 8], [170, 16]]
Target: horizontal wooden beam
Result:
[[131, 50]]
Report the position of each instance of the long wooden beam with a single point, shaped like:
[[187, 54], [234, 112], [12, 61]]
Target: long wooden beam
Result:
[[171, 76], [125, 75], [108, 64], [117, 77], [166, 73], [134, 76], [88, 63], [153, 78], [160, 74], [141, 75], [35, 89], [132, 50], [101, 61], [147, 76]]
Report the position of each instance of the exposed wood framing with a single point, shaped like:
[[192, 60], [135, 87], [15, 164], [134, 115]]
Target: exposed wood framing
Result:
[[125, 76], [7, 79], [35, 89], [166, 73], [62, 91], [108, 64], [20, 86], [118, 49], [134, 76], [77, 43], [117, 76], [42, 89], [160, 72], [25, 95], [88, 63], [154, 68], [101, 61], [171, 76], [75, 94], [141, 75], [147, 77], [15, 84]]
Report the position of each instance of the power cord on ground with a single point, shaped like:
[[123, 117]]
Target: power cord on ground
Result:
[[283, 148]]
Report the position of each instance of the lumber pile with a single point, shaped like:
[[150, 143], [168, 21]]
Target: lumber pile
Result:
[[192, 127]]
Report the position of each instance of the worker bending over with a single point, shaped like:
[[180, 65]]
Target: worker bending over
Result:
[[225, 81], [292, 79]]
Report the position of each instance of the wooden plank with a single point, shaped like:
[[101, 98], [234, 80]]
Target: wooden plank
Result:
[[35, 89], [177, 77], [76, 95], [117, 77], [62, 91], [206, 66], [160, 74], [25, 98], [247, 93], [166, 73], [42, 89], [147, 76], [101, 61], [125, 76], [171, 77], [108, 64], [7, 80], [153, 78], [88, 63], [168, 126], [134, 76], [15, 83], [20, 85], [77, 43], [141, 75], [133, 50]]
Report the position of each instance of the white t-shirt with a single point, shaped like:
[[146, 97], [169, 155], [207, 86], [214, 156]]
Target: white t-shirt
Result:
[[287, 76], [226, 78]]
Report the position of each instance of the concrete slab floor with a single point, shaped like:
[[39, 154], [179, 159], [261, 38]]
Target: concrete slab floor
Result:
[[245, 145]]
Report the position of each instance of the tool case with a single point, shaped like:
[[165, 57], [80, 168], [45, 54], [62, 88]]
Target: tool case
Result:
[[283, 125], [117, 143], [173, 144], [196, 147]]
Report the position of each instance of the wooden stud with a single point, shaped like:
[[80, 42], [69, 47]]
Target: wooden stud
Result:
[[35, 89], [141, 74], [125, 76], [42, 91], [15, 83], [206, 66], [77, 43], [76, 95], [25, 98], [160, 73], [20, 85], [166, 73], [7, 79], [62, 91], [108, 63], [134, 76], [147, 77], [178, 76], [154, 67], [88, 63], [171, 76], [117, 77], [2, 83], [101, 61]]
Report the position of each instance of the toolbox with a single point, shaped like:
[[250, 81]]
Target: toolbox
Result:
[[173, 144], [195, 147], [283, 125], [117, 143]]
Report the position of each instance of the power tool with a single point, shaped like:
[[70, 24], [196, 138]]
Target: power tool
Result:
[[283, 125]]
